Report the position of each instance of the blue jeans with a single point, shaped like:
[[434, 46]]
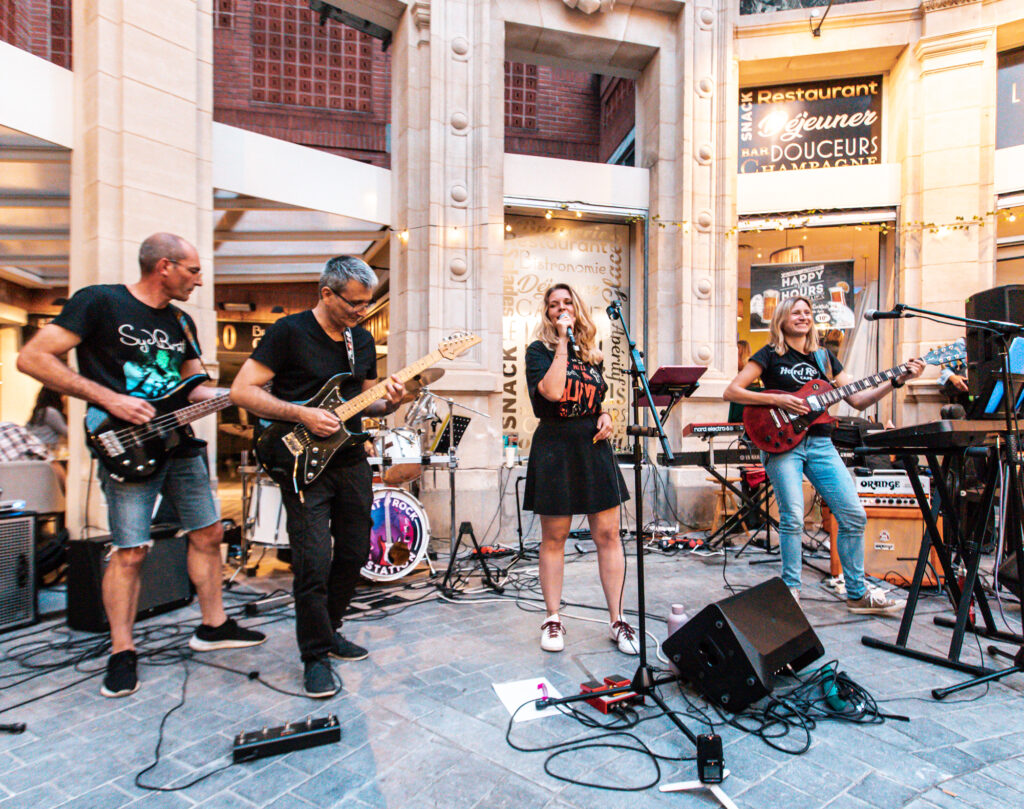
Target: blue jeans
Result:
[[185, 485], [816, 457]]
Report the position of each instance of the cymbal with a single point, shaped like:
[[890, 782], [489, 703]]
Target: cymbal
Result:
[[239, 430], [421, 380]]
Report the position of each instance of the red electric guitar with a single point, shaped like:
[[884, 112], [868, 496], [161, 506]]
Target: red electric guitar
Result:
[[775, 429]]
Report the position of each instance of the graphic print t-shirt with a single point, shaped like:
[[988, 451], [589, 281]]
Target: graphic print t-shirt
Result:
[[791, 371], [126, 345], [584, 391]]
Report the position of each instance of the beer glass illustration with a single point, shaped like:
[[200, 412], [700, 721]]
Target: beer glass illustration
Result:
[[771, 300]]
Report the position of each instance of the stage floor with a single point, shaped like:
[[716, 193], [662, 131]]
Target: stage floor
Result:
[[422, 726]]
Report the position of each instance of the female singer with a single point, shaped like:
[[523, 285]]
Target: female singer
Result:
[[572, 466], [792, 358]]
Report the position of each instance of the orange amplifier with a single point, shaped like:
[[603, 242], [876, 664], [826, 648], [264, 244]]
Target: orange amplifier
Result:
[[887, 487], [892, 541]]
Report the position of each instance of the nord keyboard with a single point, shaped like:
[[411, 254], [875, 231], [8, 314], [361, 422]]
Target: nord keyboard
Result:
[[714, 428], [730, 456], [937, 435]]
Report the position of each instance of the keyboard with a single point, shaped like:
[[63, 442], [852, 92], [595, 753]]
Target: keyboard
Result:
[[714, 428]]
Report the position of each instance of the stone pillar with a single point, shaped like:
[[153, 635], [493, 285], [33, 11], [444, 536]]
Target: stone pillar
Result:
[[447, 103], [949, 171], [141, 163], [686, 124]]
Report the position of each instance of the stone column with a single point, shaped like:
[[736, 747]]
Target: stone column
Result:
[[447, 165], [141, 163], [949, 171]]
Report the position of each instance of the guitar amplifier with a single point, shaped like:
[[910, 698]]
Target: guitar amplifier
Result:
[[887, 487], [17, 570], [892, 542], [165, 582]]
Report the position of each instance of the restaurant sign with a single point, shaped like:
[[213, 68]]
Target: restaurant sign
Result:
[[810, 126], [827, 284]]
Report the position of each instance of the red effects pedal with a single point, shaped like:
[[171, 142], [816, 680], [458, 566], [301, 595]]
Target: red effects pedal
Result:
[[612, 693]]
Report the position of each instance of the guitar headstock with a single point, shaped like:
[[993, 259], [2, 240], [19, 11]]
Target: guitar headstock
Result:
[[457, 344], [946, 355]]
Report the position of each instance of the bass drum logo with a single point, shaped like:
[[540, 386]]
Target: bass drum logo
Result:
[[399, 535]]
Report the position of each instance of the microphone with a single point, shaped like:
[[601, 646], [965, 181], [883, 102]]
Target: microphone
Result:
[[874, 314], [572, 339]]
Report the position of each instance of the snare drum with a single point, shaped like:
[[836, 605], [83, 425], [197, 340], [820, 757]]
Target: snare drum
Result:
[[266, 514], [399, 536], [401, 455]]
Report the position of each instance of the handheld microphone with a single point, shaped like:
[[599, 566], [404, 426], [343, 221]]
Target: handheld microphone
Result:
[[572, 339], [874, 314]]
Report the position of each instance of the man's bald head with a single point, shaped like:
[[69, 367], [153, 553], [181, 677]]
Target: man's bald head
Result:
[[161, 245]]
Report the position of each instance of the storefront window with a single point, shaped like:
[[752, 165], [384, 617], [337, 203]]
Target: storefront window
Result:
[[1010, 251], [593, 258], [843, 269]]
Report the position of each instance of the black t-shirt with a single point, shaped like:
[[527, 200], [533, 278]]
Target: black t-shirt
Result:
[[791, 371], [584, 390], [127, 346], [303, 357]]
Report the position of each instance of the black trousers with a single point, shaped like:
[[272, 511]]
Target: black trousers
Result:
[[329, 533]]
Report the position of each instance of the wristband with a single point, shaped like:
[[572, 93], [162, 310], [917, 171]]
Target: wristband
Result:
[[896, 384]]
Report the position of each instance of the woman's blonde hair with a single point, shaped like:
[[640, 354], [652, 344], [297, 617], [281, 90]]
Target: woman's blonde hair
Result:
[[742, 352], [777, 339], [585, 332]]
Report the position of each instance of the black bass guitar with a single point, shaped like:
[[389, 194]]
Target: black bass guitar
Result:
[[134, 452], [294, 457]]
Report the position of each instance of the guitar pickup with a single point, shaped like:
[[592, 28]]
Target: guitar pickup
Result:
[[813, 403], [775, 417], [294, 445]]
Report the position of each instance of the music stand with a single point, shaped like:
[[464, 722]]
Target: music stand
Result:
[[671, 384]]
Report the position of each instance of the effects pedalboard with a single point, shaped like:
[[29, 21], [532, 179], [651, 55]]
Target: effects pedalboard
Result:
[[610, 695], [286, 738]]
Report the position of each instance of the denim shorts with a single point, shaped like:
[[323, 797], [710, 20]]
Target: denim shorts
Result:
[[185, 485]]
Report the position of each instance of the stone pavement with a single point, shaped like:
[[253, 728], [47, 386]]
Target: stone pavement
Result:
[[422, 727]]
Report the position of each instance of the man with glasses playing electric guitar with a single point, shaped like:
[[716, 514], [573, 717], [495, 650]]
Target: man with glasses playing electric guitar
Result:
[[134, 347], [328, 511]]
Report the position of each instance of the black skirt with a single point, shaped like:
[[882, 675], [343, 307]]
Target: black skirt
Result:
[[568, 473]]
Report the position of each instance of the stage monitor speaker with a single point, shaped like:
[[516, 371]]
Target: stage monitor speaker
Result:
[[17, 570], [1005, 303], [732, 650], [1008, 576], [165, 582]]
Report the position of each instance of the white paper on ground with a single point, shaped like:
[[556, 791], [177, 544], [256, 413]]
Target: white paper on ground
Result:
[[515, 693]]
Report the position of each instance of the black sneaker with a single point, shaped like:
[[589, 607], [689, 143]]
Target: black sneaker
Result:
[[120, 679], [229, 635], [344, 649], [319, 680]]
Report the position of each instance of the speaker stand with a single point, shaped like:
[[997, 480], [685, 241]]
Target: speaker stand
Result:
[[699, 786]]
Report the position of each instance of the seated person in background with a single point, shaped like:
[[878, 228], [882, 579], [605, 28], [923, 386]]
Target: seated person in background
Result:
[[18, 444], [47, 422], [953, 383]]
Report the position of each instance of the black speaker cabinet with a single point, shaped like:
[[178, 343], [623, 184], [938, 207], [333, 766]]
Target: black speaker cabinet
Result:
[[165, 582], [1005, 303], [731, 651], [17, 570]]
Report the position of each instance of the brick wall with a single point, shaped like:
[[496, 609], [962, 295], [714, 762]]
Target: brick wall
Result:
[[279, 73], [567, 114], [618, 113], [41, 27]]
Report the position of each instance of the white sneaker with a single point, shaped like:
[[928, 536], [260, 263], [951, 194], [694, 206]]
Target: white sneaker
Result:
[[873, 602], [624, 637], [795, 592], [551, 633]]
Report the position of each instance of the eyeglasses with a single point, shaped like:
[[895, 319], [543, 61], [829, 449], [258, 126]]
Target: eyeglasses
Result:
[[193, 270], [362, 306]]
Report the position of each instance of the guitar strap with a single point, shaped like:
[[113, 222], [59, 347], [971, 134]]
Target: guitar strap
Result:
[[821, 358], [191, 338], [349, 347]]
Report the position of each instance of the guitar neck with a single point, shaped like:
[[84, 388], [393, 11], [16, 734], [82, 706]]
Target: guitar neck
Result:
[[357, 405], [838, 394], [190, 413]]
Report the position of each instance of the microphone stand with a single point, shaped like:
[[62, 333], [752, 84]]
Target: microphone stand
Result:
[[1014, 505]]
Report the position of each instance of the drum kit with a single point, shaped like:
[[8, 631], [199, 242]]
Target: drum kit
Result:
[[400, 529]]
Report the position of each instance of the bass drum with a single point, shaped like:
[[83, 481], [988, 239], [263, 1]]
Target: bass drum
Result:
[[398, 536]]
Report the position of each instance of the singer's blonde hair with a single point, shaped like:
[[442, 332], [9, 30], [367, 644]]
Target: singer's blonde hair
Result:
[[585, 331], [777, 339]]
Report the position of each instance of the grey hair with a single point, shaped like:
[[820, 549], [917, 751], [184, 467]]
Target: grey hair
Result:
[[158, 246], [341, 269]]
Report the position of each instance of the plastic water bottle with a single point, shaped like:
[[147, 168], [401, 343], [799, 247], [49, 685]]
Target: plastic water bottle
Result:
[[676, 618]]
